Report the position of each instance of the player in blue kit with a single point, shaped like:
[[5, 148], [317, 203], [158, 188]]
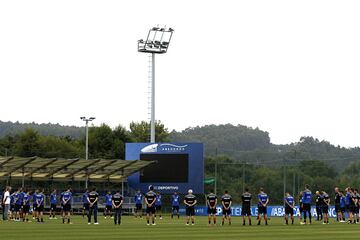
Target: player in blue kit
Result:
[[18, 204], [26, 205], [342, 205], [85, 202], [306, 204], [138, 204], [263, 201], [158, 204], [53, 203], [108, 205], [289, 205], [66, 198], [175, 202], [40, 201]]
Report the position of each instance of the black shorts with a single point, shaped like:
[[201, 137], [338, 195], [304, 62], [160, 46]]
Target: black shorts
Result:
[[306, 207], [158, 207], [289, 211], [138, 206], [342, 209], [352, 209], [325, 209], [66, 207], [190, 211], [86, 206], [226, 212], [150, 210], [211, 211], [347, 208], [175, 208], [26, 208], [53, 207], [246, 210], [40, 208], [34, 207], [12, 207], [337, 208], [17, 208], [262, 210], [108, 208]]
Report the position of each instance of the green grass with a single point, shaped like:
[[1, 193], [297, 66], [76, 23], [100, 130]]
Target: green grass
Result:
[[174, 229]]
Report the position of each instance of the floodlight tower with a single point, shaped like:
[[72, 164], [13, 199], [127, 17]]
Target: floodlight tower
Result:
[[87, 120], [157, 42]]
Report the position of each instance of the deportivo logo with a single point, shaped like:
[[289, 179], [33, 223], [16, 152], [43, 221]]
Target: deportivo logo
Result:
[[166, 147]]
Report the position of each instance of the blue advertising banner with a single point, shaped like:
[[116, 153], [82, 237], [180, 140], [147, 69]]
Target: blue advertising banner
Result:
[[273, 211], [177, 167]]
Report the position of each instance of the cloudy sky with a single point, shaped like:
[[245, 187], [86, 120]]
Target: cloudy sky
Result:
[[291, 68]]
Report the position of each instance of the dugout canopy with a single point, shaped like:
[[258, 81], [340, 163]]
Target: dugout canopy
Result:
[[56, 169]]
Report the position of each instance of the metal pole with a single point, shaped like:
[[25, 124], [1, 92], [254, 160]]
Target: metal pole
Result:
[[152, 123], [284, 178], [87, 141], [215, 183], [122, 187], [243, 177]]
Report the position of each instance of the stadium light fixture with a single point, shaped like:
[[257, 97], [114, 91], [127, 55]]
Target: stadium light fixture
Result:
[[157, 42], [87, 120]]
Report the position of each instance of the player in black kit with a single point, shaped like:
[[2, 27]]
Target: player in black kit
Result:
[[93, 198], [211, 202], [337, 204], [246, 205], [150, 199], [117, 201], [190, 202], [226, 202]]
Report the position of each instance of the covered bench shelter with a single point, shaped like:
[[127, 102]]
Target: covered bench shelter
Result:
[[57, 169]]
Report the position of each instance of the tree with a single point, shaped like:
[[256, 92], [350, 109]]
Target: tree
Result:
[[28, 143], [140, 132]]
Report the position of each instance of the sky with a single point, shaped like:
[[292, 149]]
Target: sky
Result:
[[291, 68]]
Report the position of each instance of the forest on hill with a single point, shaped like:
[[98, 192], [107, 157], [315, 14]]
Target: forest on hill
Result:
[[243, 156]]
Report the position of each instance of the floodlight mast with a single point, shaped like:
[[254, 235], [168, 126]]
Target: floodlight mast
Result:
[[157, 42]]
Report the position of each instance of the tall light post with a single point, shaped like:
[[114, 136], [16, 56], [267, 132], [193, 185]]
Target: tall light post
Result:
[[87, 120], [157, 42]]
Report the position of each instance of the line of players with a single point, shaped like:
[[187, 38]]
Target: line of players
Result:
[[346, 202]]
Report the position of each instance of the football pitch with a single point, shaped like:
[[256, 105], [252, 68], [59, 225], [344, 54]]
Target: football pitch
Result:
[[167, 228]]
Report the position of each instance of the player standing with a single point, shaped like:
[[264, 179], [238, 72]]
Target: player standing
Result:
[[337, 204], [138, 204], [108, 205], [175, 202], [246, 206], [319, 202], [117, 201], [357, 208], [289, 203], [18, 204], [211, 202], [26, 206], [190, 202], [226, 202], [342, 207], [158, 205], [93, 198], [325, 206], [85, 203], [306, 203], [353, 206], [40, 199], [263, 201], [66, 204], [53, 203], [150, 199]]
